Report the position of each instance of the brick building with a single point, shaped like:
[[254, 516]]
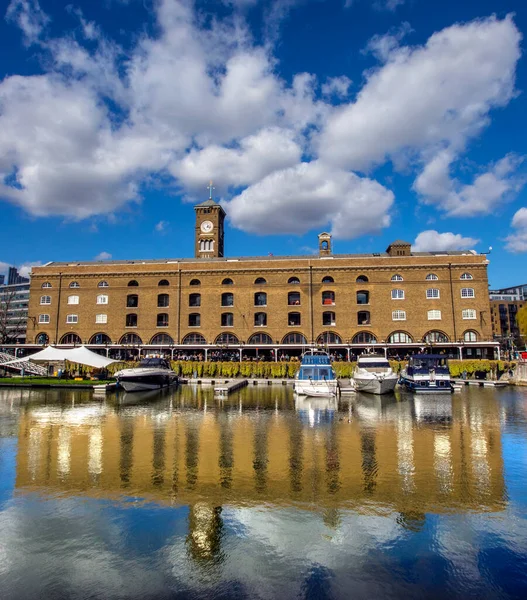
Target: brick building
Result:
[[399, 300]]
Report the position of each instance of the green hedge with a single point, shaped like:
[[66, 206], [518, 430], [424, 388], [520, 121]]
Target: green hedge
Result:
[[282, 370]]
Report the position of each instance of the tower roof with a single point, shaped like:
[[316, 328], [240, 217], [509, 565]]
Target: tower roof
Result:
[[208, 202]]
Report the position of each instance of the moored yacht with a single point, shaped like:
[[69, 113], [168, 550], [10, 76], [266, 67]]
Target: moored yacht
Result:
[[427, 373], [373, 374], [150, 374], [316, 376]]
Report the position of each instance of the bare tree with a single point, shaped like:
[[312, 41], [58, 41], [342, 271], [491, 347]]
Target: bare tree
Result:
[[13, 315]]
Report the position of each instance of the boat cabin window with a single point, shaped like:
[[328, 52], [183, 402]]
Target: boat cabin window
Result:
[[154, 363]]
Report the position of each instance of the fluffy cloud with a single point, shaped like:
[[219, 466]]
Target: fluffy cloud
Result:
[[103, 256], [489, 189], [433, 241], [24, 269], [28, 15], [312, 195], [517, 242]]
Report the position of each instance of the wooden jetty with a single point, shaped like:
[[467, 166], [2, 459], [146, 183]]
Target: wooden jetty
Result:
[[224, 389], [480, 382]]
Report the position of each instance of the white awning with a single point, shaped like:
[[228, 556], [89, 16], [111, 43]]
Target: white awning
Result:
[[80, 355]]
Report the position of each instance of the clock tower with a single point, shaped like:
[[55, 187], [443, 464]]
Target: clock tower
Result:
[[210, 218]]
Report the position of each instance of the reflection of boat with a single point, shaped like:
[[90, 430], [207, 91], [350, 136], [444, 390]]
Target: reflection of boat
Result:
[[427, 373], [316, 410], [151, 374], [316, 376], [373, 374]]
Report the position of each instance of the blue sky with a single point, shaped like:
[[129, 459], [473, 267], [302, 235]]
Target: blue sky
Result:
[[372, 119]]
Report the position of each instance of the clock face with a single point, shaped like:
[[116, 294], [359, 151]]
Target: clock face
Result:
[[207, 226]]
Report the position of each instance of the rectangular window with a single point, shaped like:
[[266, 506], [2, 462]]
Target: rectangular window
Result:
[[397, 294], [43, 318], [399, 315], [73, 299], [101, 318], [467, 293], [45, 299], [432, 293], [72, 318], [434, 315], [102, 299], [469, 313]]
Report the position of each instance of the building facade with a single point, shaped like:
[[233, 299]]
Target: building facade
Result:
[[14, 302], [398, 300]]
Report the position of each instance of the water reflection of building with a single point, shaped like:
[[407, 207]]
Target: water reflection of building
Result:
[[207, 459]]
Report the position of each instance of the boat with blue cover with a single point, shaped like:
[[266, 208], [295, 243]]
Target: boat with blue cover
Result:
[[427, 373], [316, 376]]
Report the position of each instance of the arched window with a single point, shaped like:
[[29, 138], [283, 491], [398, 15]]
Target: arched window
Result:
[[293, 298], [132, 301], [102, 299], [162, 320], [328, 318], [71, 338], [293, 281], [329, 337], [260, 319], [195, 282], [227, 281], [364, 337], [45, 299], [363, 317], [363, 297], [206, 245], [194, 300], [103, 284], [328, 297], [43, 318], [260, 338], [466, 276], [227, 319], [42, 339], [260, 281], [328, 279], [46, 284], [161, 339], [226, 338], [293, 319], [470, 336], [399, 315], [468, 313], [131, 339], [260, 299], [399, 337], [194, 320], [163, 300], [362, 279], [133, 283], [194, 338], [397, 277], [435, 337], [432, 277], [227, 299], [467, 293], [131, 320], [100, 338], [432, 293], [294, 338], [163, 282], [74, 284]]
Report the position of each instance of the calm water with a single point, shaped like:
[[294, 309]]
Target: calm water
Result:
[[178, 495]]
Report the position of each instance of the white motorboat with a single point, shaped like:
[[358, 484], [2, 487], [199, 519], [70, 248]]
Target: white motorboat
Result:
[[316, 376], [427, 373], [151, 374], [374, 375]]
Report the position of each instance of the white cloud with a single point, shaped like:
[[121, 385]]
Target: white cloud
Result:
[[437, 94], [161, 226], [517, 242], [488, 191], [24, 269], [337, 86], [309, 196], [383, 46], [28, 15], [433, 241], [103, 256]]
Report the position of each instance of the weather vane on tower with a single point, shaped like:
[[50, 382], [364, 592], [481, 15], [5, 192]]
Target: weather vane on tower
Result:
[[210, 188]]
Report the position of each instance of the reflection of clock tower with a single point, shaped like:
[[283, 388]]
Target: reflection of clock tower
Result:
[[209, 229]]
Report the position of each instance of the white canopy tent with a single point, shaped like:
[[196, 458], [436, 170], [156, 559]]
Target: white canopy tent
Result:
[[80, 355]]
